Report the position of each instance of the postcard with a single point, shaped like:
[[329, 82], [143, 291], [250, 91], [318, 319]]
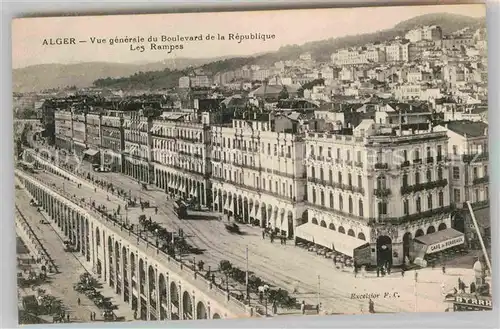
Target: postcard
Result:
[[251, 164]]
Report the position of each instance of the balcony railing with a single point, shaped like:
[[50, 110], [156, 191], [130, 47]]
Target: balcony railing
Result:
[[415, 217], [481, 180], [417, 161], [382, 192], [358, 164], [424, 186], [337, 212], [475, 157], [405, 164], [430, 160], [381, 166]]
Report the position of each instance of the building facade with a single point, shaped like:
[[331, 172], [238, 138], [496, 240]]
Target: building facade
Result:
[[258, 174], [137, 147], [381, 187], [112, 141], [181, 152], [79, 133], [63, 129]]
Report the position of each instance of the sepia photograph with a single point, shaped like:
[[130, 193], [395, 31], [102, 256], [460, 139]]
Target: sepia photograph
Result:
[[251, 164]]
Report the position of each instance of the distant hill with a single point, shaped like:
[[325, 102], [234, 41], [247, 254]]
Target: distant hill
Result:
[[166, 74], [48, 76]]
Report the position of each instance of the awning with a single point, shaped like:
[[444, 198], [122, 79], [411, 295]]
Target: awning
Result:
[[91, 152], [250, 210], [441, 240], [257, 212], [217, 200], [325, 237], [226, 204]]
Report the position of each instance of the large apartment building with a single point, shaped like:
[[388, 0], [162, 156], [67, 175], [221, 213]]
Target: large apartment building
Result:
[[258, 173], [381, 184], [180, 155]]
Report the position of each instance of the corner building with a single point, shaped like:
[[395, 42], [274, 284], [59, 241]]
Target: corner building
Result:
[[381, 184], [258, 173]]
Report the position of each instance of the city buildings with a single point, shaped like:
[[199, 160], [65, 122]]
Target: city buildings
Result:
[[424, 33]]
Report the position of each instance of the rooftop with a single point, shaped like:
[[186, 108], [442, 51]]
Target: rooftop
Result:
[[467, 128]]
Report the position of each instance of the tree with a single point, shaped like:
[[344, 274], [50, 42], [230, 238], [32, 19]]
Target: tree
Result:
[[283, 93]]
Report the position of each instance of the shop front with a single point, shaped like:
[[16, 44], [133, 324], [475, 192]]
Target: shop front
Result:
[[356, 249], [472, 302], [433, 247]]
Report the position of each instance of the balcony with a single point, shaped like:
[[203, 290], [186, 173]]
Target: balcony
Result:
[[348, 162], [335, 211], [358, 164], [417, 161], [405, 164], [439, 158], [384, 166], [415, 217], [467, 158], [425, 186], [430, 159], [382, 192], [481, 180]]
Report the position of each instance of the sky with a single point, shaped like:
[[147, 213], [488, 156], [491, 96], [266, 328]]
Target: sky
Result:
[[287, 26]]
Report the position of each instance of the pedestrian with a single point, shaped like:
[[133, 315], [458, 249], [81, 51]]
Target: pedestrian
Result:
[[91, 316], [416, 276], [275, 308], [263, 234], [443, 269], [303, 307], [78, 301], [156, 210], [371, 306], [317, 308], [67, 318], [284, 240], [402, 272]]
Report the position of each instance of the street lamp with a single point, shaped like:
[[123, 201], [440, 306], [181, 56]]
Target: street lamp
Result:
[[263, 291]]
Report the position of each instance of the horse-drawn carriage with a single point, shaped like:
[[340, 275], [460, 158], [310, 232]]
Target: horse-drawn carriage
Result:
[[233, 228]]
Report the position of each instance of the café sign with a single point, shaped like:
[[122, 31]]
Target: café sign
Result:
[[445, 244]]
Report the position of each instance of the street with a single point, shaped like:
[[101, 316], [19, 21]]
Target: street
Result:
[[285, 266]]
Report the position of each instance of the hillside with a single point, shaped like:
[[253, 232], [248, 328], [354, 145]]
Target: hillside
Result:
[[48, 76], [166, 74]]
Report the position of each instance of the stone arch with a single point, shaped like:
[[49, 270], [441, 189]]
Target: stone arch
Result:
[[350, 232], [384, 250], [431, 229], [331, 226], [341, 229], [142, 276], [152, 286], [442, 226], [419, 232], [162, 290], [187, 306], [216, 316], [174, 299], [322, 223], [361, 236], [314, 221], [201, 311]]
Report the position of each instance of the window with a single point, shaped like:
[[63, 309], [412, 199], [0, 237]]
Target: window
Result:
[[338, 153], [349, 179], [313, 195], [429, 152], [358, 156], [456, 195], [455, 150], [320, 153], [382, 208], [360, 181], [313, 174], [381, 182], [289, 154], [456, 173], [440, 173], [321, 175], [406, 207], [417, 178], [331, 200], [329, 154], [487, 193], [428, 175], [429, 201], [485, 171], [405, 180], [439, 151], [340, 177], [476, 192], [418, 204], [474, 172], [405, 155], [322, 198], [291, 191], [268, 149], [341, 203], [276, 187], [360, 206], [330, 176], [348, 155], [441, 199], [350, 205], [417, 155]]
